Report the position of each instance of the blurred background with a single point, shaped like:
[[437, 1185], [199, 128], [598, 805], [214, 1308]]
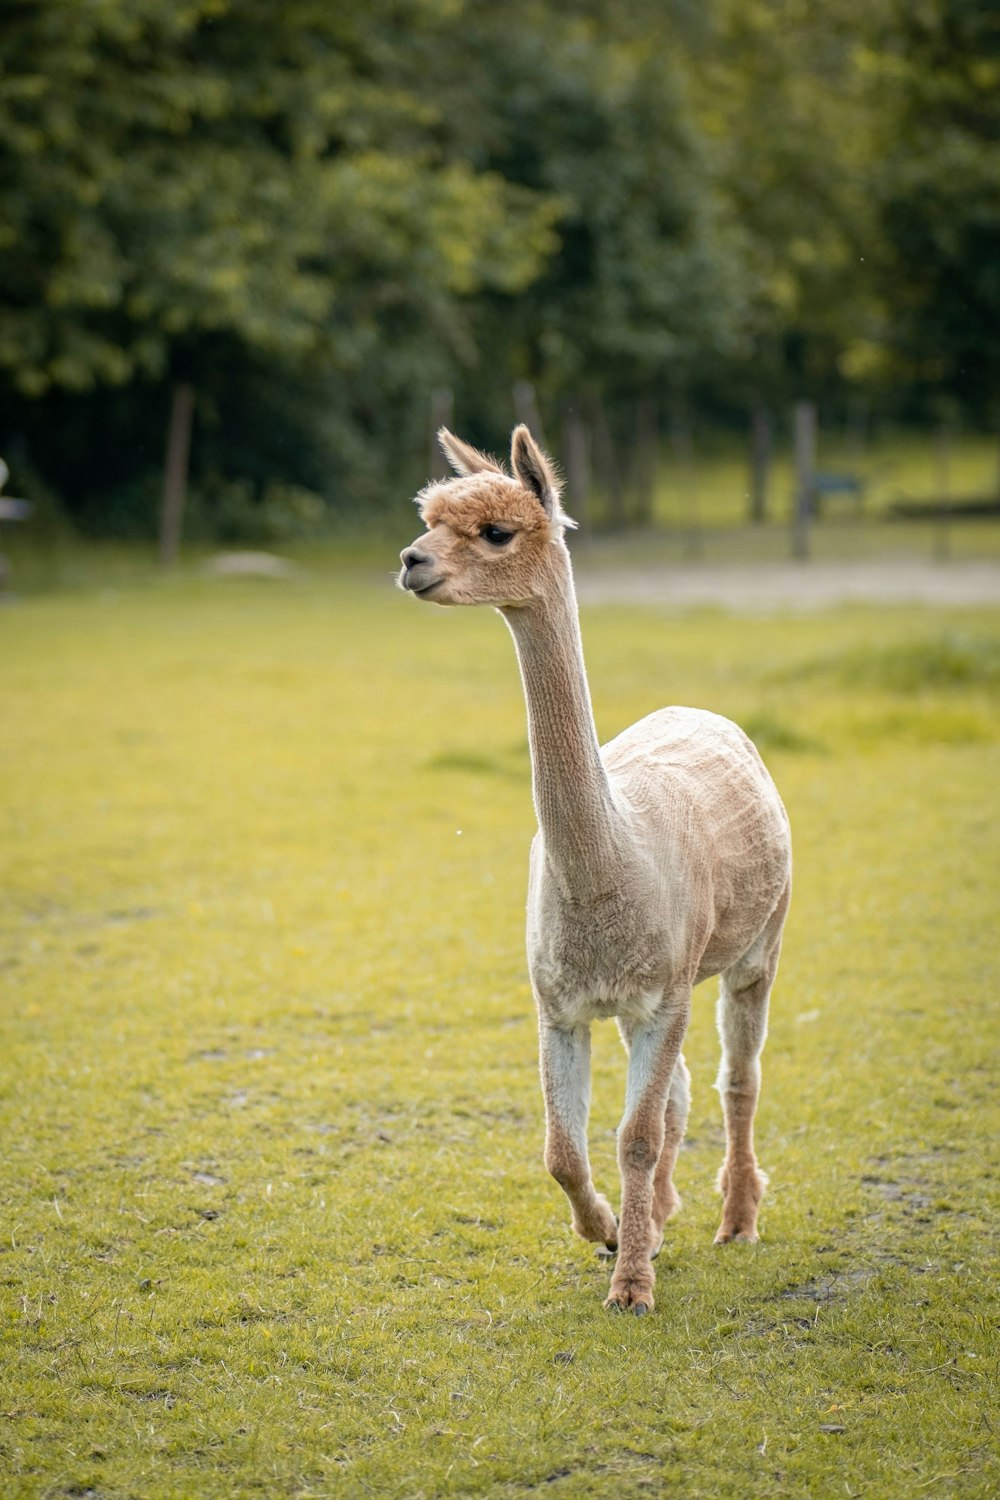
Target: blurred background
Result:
[[737, 262]]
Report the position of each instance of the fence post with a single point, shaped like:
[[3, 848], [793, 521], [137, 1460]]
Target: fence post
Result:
[[175, 472], [805, 476]]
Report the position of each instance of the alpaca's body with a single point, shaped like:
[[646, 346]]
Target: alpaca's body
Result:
[[667, 916], [660, 859]]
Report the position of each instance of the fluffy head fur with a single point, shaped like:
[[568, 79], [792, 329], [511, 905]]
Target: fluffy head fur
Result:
[[488, 531], [469, 505]]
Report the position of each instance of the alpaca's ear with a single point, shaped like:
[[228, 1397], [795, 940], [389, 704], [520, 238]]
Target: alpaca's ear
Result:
[[534, 469], [463, 458]]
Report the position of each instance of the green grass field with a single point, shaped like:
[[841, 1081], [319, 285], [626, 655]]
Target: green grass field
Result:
[[275, 1219]]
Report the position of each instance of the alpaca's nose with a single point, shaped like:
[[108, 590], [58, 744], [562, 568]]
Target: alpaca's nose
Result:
[[411, 558]]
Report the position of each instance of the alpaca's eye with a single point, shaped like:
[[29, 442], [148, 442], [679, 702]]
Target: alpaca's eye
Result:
[[496, 535]]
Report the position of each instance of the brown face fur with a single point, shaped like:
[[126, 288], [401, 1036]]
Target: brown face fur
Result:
[[454, 562]]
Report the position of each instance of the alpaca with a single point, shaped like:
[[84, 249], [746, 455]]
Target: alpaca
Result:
[[660, 859]]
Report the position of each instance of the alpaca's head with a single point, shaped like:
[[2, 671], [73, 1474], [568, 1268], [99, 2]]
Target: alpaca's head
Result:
[[490, 535]]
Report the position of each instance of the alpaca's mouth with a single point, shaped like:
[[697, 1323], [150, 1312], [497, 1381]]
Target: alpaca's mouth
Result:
[[408, 579], [425, 588]]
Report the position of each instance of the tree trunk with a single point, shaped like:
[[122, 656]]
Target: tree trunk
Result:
[[175, 475]]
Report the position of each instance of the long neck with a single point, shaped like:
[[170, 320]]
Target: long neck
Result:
[[573, 801]]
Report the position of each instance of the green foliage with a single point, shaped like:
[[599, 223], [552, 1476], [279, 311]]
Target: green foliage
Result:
[[275, 1215], [938, 193], [318, 214], [228, 170], [237, 196], [786, 94], [645, 281]]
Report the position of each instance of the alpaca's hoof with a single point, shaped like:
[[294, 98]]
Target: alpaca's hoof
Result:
[[609, 1249], [739, 1212], [600, 1227], [638, 1309], [728, 1236], [634, 1295]]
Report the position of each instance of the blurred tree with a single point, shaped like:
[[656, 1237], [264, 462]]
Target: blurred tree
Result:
[[315, 215], [592, 108], [185, 187], [937, 188], [785, 90]]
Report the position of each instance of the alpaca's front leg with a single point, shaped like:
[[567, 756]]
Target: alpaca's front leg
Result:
[[565, 1069], [666, 1199], [654, 1051]]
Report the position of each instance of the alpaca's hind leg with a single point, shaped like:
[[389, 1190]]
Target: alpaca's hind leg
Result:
[[653, 1057], [742, 1017], [565, 1069]]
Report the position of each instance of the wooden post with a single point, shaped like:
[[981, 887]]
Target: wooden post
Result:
[[442, 415], [175, 473], [805, 476], [577, 469], [760, 463]]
